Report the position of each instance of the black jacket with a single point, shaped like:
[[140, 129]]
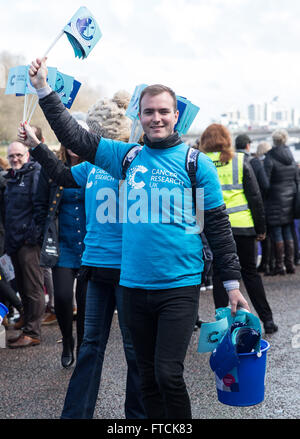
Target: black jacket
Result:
[[282, 172], [254, 199], [216, 222], [260, 174], [19, 198]]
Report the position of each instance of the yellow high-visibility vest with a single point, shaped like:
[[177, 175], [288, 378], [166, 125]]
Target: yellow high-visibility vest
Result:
[[231, 179]]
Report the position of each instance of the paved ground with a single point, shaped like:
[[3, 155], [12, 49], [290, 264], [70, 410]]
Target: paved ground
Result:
[[33, 383]]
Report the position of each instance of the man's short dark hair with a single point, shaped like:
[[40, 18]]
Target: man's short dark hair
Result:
[[157, 89], [242, 141], [38, 132]]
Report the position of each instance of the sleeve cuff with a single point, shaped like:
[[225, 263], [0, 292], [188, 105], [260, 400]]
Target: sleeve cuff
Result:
[[231, 285], [32, 149], [43, 92]]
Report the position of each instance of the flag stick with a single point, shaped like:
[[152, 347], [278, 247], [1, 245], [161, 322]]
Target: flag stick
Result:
[[54, 42], [25, 108], [139, 132], [32, 111], [29, 105], [133, 128]]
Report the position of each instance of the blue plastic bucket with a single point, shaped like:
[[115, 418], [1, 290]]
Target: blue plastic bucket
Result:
[[3, 310], [245, 385]]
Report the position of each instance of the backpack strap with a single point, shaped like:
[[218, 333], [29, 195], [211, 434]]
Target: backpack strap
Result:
[[191, 167], [129, 157]]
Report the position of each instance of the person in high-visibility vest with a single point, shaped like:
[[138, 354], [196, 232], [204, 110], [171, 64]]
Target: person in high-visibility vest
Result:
[[245, 208]]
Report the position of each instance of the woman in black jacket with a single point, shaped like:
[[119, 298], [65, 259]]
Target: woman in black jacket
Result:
[[282, 172]]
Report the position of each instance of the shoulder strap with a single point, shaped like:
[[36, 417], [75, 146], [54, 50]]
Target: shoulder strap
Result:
[[129, 157], [55, 203], [191, 167]]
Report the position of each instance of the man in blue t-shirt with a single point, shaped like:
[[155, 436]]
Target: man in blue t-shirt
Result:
[[161, 251]]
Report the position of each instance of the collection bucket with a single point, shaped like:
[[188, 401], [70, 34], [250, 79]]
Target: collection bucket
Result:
[[3, 311], [245, 385]]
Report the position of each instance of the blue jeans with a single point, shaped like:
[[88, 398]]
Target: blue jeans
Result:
[[281, 233], [101, 300]]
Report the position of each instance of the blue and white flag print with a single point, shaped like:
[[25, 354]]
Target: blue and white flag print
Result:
[[83, 32], [133, 107], [63, 86], [16, 82], [75, 90], [187, 114]]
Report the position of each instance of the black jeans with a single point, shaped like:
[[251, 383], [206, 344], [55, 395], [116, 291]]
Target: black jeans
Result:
[[246, 250], [161, 323]]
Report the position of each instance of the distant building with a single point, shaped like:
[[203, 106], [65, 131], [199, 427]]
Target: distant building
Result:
[[262, 115]]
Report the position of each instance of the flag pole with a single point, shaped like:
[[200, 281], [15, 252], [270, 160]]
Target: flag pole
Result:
[[25, 108], [53, 43], [32, 111]]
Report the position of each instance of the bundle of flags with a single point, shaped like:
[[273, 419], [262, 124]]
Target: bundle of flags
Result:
[[19, 84], [187, 114], [83, 33]]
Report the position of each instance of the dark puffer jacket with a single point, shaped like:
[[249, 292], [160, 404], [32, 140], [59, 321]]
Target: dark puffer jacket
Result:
[[282, 172], [20, 227]]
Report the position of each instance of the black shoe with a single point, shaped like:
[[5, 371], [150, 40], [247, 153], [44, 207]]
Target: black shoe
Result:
[[67, 356], [270, 327]]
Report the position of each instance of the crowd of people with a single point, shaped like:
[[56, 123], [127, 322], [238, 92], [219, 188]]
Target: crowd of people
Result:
[[67, 238]]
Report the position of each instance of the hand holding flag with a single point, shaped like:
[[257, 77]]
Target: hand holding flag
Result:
[[38, 73], [26, 135]]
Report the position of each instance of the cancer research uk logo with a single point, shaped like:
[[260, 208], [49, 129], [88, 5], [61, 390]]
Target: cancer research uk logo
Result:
[[132, 175], [156, 196]]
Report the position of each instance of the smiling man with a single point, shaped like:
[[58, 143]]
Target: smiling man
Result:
[[159, 113], [161, 262]]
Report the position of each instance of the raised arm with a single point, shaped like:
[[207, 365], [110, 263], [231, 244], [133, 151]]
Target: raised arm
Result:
[[54, 167], [66, 128]]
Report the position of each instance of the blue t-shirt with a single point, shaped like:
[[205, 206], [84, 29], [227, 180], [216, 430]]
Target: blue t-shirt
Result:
[[103, 239], [161, 248]]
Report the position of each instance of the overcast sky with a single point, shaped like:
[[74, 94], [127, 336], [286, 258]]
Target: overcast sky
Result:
[[220, 54]]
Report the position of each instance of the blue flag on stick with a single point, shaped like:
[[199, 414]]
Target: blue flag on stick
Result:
[[187, 114], [83, 32], [75, 90], [133, 107], [63, 86], [16, 82]]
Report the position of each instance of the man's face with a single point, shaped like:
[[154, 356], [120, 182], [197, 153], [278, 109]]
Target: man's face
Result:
[[157, 116], [17, 155]]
